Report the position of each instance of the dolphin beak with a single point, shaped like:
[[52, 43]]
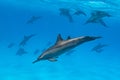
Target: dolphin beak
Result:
[[96, 37], [89, 38], [35, 61]]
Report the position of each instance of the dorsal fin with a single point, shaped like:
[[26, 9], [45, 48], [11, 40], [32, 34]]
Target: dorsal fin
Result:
[[68, 37], [59, 39]]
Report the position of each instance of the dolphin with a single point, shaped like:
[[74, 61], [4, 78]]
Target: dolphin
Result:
[[99, 48], [25, 40], [33, 19], [97, 17], [66, 12], [61, 46]]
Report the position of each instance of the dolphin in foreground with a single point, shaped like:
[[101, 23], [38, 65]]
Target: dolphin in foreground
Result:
[[61, 46]]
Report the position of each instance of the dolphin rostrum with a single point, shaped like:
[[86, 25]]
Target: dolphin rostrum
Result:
[[61, 46]]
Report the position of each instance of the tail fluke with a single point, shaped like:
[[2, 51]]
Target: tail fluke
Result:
[[103, 23]]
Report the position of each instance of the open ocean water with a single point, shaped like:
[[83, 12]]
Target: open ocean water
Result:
[[29, 27]]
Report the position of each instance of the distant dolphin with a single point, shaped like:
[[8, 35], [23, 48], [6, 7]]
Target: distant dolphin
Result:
[[66, 12], [61, 46], [97, 17], [25, 40], [33, 19], [99, 47]]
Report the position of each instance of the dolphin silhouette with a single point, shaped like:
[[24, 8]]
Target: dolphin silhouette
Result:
[[66, 12], [99, 47], [25, 40], [33, 19], [97, 17]]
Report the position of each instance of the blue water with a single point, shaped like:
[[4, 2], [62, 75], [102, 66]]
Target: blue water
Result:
[[82, 64]]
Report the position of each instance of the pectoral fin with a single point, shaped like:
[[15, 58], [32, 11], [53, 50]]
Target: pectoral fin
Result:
[[52, 59]]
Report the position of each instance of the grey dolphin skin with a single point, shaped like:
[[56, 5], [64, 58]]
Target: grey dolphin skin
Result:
[[66, 12], [26, 38], [33, 19], [99, 47], [61, 46], [97, 17]]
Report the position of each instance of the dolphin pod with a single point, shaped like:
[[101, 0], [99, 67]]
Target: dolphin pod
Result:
[[96, 16], [66, 12]]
